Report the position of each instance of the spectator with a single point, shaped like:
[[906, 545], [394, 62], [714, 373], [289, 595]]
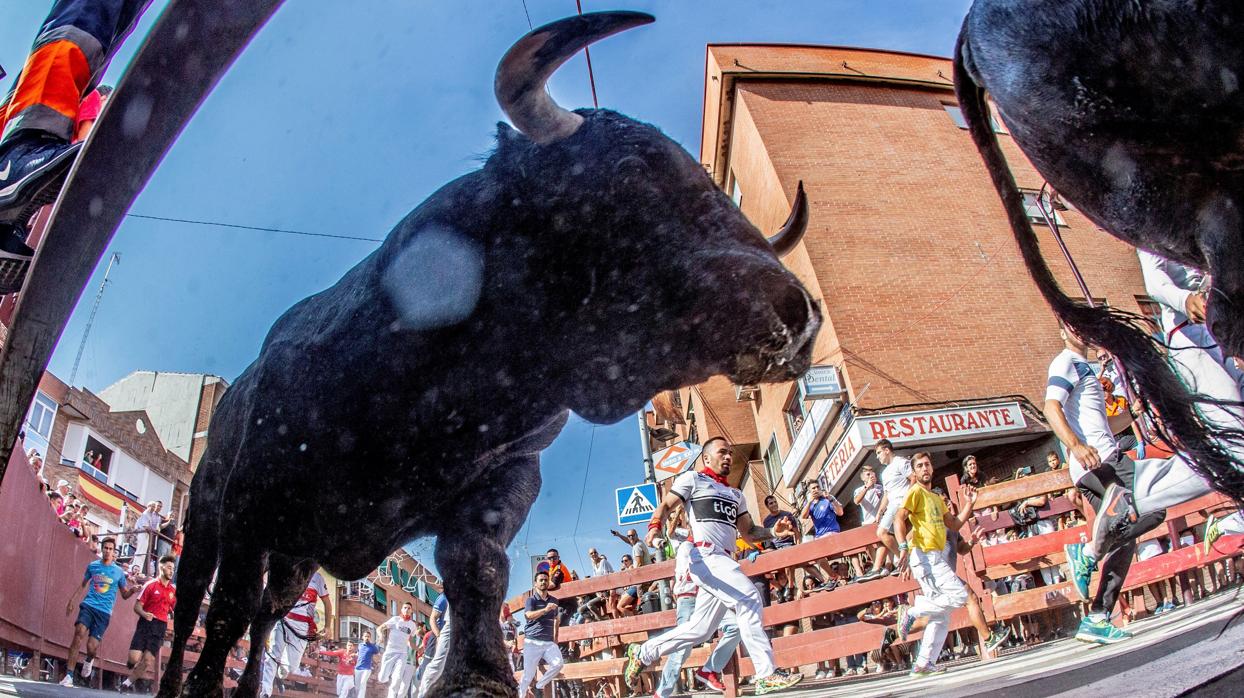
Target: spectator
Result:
[[57, 502], [868, 498], [785, 528], [346, 657], [1053, 462], [971, 472], [896, 480], [600, 564], [559, 573], [153, 607], [63, 489], [366, 660], [824, 510], [540, 613], [148, 527], [509, 635], [639, 551], [168, 535]]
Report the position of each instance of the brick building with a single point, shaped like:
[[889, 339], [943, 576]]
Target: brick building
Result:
[[364, 604], [112, 458], [934, 335], [180, 405]]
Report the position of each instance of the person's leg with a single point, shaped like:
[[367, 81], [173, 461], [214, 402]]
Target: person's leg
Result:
[[75, 644], [726, 645], [553, 663], [721, 577], [437, 666], [345, 685], [704, 621], [361, 677], [531, 660], [673, 664]]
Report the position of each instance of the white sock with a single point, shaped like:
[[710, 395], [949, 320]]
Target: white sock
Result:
[[1097, 617]]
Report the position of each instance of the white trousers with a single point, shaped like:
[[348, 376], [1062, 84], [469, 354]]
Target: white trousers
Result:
[[284, 653], [941, 591], [391, 666], [722, 587], [1163, 482], [361, 677], [345, 685], [533, 652], [401, 685], [1232, 525], [436, 665]]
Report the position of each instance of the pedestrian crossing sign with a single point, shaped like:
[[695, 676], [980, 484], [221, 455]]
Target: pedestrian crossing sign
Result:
[[636, 503]]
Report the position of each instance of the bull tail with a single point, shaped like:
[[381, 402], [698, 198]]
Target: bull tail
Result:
[[1164, 397]]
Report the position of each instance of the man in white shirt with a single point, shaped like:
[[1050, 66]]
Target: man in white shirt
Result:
[[1113, 484], [290, 636], [895, 481], [718, 515], [600, 564], [395, 634]]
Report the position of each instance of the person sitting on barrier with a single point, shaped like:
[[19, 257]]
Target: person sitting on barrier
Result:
[[924, 516], [895, 479]]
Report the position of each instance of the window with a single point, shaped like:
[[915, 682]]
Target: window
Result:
[[1033, 208], [352, 627], [736, 193], [42, 412], [773, 463], [693, 434], [796, 414], [97, 461], [956, 115]]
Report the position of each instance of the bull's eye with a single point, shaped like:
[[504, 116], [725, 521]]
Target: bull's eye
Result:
[[631, 166]]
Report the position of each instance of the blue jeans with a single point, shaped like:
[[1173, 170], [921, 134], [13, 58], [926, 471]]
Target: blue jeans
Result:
[[716, 661]]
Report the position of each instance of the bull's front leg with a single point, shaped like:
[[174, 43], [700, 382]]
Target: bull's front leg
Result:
[[470, 553]]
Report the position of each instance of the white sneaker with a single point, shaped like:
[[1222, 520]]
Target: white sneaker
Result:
[[67, 682], [87, 667]]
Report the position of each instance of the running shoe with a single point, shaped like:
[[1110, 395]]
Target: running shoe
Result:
[[633, 665], [126, 686], [32, 169], [931, 670], [997, 636], [905, 621], [1212, 532], [1081, 567], [1109, 527], [67, 682], [1100, 632], [711, 679], [777, 681], [88, 666]]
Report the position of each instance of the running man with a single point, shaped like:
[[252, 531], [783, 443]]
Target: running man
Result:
[[923, 514], [291, 634], [367, 659], [153, 606], [441, 628], [1075, 407], [717, 514], [102, 580], [395, 634], [540, 642], [346, 657], [895, 481]]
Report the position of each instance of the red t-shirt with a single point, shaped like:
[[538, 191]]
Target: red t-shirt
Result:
[[158, 599], [345, 661]]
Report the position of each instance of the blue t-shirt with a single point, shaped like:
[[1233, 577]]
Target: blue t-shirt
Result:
[[105, 580], [441, 606], [542, 627], [824, 520], [367, 650]]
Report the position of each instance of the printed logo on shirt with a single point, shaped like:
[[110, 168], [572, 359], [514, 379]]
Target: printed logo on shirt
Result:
[[716, 509]]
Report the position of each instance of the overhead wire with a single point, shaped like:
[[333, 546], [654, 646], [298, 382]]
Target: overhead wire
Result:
[[219, 224], [587, 53]]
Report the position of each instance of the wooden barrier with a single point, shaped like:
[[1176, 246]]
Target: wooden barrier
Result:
[[983, 563]]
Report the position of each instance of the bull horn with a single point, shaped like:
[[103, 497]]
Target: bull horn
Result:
[[785, 240], [529, 63]]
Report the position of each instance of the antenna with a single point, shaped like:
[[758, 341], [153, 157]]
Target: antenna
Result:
[[115, 259]]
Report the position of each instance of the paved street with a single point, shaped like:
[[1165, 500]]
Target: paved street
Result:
[[1174, 655]]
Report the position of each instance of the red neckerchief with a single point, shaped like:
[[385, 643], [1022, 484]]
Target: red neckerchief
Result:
[[709, 473]]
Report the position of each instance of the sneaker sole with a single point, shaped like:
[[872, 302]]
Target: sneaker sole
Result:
[[795, 680], [1098, 640], [704, 682], [46, 184], [1081, 596]]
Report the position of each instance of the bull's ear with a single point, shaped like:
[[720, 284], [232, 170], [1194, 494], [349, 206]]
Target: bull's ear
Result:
[[508, 136]]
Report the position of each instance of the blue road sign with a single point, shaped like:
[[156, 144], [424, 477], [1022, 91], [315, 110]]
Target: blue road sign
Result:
[[636, 503]]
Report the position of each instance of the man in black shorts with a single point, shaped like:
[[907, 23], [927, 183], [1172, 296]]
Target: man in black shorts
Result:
[[153, 607]]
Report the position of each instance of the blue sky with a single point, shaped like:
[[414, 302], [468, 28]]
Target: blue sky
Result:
[[340, 118]]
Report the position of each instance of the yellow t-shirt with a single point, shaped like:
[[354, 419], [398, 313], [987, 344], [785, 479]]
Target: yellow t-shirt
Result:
[[926, 518]]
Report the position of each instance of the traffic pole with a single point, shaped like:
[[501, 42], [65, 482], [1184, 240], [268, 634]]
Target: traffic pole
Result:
[[650, 475]]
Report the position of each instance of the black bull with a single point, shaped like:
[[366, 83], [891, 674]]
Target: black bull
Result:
[[1133, 112], [588, 265]]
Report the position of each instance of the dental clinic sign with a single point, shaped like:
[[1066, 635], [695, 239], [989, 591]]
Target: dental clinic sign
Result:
[[918, 427]]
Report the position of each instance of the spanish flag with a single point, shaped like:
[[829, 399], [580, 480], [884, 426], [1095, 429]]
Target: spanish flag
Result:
[[102, 495]]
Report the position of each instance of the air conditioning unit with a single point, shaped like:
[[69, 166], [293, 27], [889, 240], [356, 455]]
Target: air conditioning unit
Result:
[[746, 393]]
